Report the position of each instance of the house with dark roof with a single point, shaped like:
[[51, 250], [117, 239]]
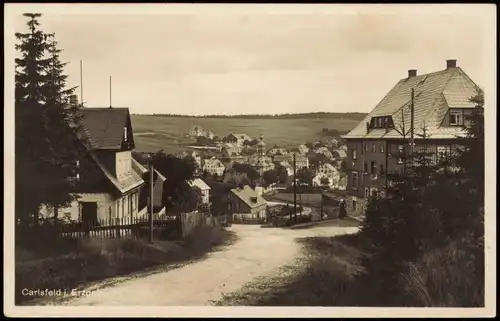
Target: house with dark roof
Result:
[[246, 203], [441, 106], [108, 179], [238, 139]]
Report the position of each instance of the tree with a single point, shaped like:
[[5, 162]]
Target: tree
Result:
[[177, 193], [270, 177], [304, 175], [204, 141], [45, 157], [250, 172], [282, 173], [325, 180]]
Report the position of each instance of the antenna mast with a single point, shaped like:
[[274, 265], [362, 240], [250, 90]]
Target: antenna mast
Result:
[[81, 81], [110, 92]]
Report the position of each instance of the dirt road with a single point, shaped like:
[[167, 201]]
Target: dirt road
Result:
[[259, 251]]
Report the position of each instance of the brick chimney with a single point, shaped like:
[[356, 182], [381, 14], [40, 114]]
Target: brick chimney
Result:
[[412, 73], [451, 63]]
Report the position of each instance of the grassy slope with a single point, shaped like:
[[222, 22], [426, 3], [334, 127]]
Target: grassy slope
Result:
[[168, 133], [91, 260]]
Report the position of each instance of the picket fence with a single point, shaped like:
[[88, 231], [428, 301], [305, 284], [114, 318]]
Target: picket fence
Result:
[[126, 227], [165, 227]]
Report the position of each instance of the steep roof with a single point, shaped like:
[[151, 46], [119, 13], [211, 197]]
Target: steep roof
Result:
[[434, 93], [158, 188], [246, 194], [279, 158], [329, 166], [341, 153], [131, 181], [242, 136], [198, 182], [138, 167], [103, 128]]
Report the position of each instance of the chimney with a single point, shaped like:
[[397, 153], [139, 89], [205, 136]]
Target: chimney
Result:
[[412, 73], [451, 63], [73, 100]]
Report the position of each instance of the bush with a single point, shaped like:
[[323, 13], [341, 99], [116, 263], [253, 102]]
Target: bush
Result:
[[446, 277]]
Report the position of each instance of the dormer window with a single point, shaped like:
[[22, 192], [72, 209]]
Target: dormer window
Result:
[[456, 117], [381, 122]]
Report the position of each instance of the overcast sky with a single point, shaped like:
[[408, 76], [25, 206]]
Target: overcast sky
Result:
[[267, 61]]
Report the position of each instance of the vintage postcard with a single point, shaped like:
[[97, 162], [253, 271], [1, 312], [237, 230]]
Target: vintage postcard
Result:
[[250, 160]]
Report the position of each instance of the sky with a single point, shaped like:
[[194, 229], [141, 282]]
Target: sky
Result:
[[199, 62]]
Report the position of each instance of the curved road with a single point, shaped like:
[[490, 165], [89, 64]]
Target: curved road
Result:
[[259, 251]]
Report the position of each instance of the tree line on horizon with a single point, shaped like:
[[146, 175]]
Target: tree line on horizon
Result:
[[354, 115]]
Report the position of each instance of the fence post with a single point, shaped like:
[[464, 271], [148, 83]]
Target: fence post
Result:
[[117, 227]]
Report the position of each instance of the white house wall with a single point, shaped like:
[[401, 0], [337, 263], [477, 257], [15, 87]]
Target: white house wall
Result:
[[107, 207]]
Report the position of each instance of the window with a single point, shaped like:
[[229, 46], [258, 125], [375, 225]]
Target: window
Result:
[[361, 179], [366, 167], [354, 156], [381, 122], [373, 167], [354, 205], [381, 168], [125, 133], [382, 148], [374, 148], [374, 193], [456, 117], [367, 193], [366, 147], [355, 180]]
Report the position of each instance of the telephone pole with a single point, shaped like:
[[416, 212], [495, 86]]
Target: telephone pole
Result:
[[294, 189], [412, 126], [151, 178]]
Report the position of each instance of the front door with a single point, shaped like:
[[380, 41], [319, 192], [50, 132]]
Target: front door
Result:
[[89, 213]]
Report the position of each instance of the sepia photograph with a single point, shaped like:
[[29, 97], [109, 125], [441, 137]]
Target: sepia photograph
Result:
[[250, 160]]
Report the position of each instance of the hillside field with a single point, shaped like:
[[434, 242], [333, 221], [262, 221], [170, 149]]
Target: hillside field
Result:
[[152, 133]]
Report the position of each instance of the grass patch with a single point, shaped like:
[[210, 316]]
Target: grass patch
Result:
[[323, 277], [331, 274], [97, 259]]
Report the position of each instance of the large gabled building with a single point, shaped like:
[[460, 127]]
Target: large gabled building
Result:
[[441, 105], [108, 179]]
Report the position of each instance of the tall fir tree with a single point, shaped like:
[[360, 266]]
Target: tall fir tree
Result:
[[44, 139]]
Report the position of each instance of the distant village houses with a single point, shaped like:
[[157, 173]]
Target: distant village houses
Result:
[[213, 166], [198, 131]]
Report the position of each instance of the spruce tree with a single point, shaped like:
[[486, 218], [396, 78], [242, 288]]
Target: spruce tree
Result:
[[31, 142], [63, 122], [45, 141]]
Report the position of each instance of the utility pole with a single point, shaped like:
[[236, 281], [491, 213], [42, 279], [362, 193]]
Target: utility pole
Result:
[[412, 126], [294, 189], [151, 178]]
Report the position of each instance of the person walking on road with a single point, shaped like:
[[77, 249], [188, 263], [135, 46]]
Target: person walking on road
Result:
[[342, 210]]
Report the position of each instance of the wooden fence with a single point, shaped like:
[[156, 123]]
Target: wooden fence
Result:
[[165, 227]]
